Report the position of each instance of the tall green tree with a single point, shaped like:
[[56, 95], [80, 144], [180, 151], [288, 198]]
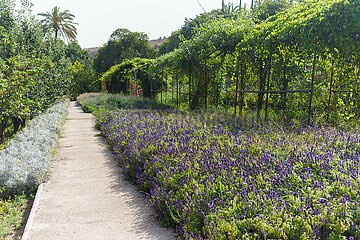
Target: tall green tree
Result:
[[123, 44], [7, 11], [34, 70], [62, 23], [83, 74]]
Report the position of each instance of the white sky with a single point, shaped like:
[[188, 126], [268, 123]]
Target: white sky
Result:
[[97, 19]]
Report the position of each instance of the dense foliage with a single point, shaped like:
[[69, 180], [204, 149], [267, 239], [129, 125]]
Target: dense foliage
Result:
[[34, 70], [132, 77], [99, 102], [263, 9], [122, 44], [296, 63], [25, 162], [261, 184], [11, 215], [84, 77]]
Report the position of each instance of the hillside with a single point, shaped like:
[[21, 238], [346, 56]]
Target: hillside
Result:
[[155, 44], [92, 51]]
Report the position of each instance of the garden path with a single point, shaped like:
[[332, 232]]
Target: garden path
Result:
[[86, 196]]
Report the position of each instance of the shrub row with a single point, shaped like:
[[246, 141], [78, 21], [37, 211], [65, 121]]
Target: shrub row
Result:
[[261, 184], [25, 162], [92, 102]]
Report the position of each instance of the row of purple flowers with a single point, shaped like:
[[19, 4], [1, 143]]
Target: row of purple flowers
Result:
[[212, 183]]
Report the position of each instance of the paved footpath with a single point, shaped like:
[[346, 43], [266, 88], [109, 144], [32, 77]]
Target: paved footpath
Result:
[[86, 196]]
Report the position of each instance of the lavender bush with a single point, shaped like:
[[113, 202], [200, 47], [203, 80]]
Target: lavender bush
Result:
[[212, 183], [25, 162]]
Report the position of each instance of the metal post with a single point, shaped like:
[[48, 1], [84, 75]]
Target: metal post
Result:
[[151, 85], [267, 89], [357, 91], [206, 83], [177, 89], [242, 87], [190, 71], [330, 90], [127, 87], [312, 88], [237, 84], [130, 80], [172, 89], [136, 85], [162, 83]]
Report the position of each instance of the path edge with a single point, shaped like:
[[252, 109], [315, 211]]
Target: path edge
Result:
[[31, 217]]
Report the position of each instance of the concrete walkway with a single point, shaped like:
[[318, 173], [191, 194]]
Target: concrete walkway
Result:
[[86, 196]]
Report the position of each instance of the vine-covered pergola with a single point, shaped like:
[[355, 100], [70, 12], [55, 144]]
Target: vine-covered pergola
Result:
[[308, 53]]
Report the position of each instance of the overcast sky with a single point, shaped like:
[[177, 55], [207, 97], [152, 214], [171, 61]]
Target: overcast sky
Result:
[[97, 19]]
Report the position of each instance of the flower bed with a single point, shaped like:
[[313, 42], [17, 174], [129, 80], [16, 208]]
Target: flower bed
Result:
[[25, 162], [214, 184]]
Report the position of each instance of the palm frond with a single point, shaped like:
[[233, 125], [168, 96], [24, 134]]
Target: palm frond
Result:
[[62, 23]]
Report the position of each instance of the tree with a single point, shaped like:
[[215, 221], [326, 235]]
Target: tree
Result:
[[62, 23], [171, 43], [34, 71], [191, 25], [83, 74], [7, 13], [74, 52], [123, 44], [263, 9]]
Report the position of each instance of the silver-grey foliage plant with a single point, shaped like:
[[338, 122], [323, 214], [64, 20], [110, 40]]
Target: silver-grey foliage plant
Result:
[[25, 162]]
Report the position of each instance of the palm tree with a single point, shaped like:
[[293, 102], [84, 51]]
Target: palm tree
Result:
[[61, 22], [229, 9]]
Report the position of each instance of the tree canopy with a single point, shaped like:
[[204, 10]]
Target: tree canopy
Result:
[[122, 44], [35, 67]]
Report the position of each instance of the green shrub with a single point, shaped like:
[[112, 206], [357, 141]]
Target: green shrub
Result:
[[11, 212]]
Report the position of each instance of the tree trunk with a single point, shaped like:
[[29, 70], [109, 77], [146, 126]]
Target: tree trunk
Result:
[[200, 92], [2, 130], [16, 123], [196, 97], [23, 122]]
